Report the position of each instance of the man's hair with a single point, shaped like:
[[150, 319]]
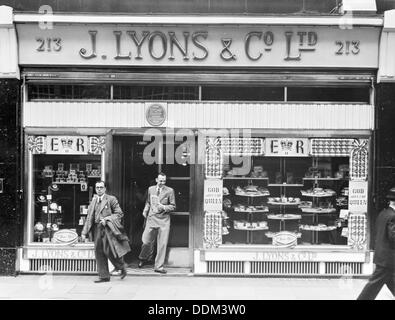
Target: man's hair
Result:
[[162, 174], [101, 181]]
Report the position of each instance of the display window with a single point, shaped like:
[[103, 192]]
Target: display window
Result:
[[271, 195], [63, 189], [299, 195], [64, 171]]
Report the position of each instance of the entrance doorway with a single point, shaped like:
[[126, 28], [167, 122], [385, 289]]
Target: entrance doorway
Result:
[[133, 174]]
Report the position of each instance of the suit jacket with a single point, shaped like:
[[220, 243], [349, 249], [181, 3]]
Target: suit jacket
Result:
[[167, 198], [109, 206], [384, 254]]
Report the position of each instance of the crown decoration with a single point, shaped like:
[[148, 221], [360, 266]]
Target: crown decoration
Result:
[[36, 144], [96, 145], [286, 145], [67, 143]]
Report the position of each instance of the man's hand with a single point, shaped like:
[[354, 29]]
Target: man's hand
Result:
[[161, 207], [145, 214], [103, 222], [83, 237]]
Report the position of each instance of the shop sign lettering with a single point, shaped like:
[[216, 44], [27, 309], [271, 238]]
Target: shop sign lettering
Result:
[[41, 253], [286, 147], [213, 195], [67, 144], [238, 46], [285, 256], [358, 197]]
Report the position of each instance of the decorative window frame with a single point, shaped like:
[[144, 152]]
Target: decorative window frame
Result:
[[356, 149], [37, 144]]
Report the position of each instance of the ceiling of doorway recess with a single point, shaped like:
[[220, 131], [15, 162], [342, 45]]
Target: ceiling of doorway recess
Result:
[[246, 7]]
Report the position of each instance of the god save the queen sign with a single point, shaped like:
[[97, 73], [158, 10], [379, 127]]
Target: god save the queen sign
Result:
[[213, 195]]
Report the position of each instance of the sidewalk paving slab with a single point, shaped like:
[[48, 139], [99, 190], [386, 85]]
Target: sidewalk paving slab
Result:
[[167, 287]]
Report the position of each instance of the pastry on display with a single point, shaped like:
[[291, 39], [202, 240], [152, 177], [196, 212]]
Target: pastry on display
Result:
[[273, 234], [306, 204], [283, 200], [318, 192], [319, 227], [225, 191], [318, 210], [251, 190], [243, 208], [247, 225], [284, 216]]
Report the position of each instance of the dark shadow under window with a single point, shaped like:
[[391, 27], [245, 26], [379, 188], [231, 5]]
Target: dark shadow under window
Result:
[[328, 94], [68, 91], [243, 93]]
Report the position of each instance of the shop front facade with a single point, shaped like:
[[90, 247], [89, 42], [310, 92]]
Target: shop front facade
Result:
[[263, 127]]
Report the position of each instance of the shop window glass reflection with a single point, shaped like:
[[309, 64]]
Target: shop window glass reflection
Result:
[[135, 92], [63, 189]]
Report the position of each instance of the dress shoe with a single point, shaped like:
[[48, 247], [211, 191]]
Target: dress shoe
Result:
[[123, 273], [141, 264], [102, 280], [115, 272], [163, 271]]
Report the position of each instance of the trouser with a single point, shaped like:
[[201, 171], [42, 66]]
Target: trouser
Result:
[[161, 233], [380, 276], [103, 253]]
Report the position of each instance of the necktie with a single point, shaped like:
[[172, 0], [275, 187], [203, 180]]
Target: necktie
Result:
[[97, 213]]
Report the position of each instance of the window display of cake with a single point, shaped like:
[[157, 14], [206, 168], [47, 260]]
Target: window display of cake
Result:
[[246, 225], [318, 192], [283, 200], [321, 207], [243, 208], [284, 216], [273, 234], [305, 204], [319, 227], [252, 191]]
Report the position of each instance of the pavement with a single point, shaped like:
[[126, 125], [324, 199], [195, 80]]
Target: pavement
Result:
[[180, 286]]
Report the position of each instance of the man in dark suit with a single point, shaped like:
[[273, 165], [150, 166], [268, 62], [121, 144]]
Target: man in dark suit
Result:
[[384, 253], [160, 202], [104, 220]]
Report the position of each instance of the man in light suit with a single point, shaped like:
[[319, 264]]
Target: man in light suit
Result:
[[160, 202], [384, 253], [104, 211]]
